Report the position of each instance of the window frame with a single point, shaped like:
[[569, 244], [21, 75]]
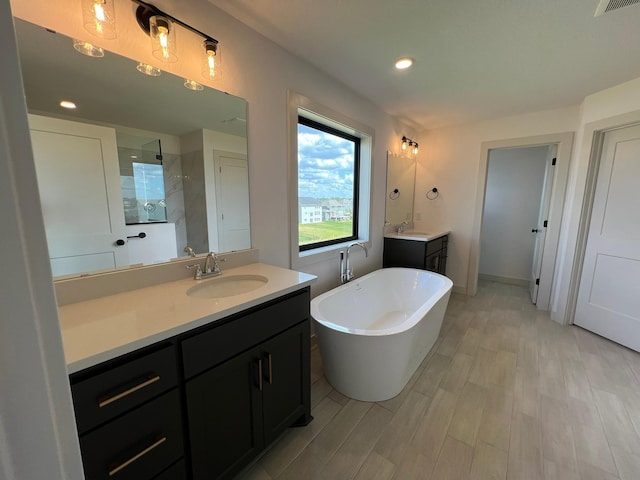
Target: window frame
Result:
[[302, 120], [300, 105]]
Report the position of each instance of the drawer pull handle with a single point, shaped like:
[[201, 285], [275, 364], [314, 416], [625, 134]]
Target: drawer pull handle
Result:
[[270, 369], [126, 463], [106, 401], [260, 374]]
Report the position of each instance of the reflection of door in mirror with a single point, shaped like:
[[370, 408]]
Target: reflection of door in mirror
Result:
[[400, 189], [78, 180], [232, 196]]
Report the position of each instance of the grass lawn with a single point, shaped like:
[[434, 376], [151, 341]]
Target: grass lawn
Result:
[[318, 232]]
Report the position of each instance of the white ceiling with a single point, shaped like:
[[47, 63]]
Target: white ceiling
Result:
[[475, 59]]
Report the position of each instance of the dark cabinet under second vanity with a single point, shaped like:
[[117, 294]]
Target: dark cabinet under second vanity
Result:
[[200, 405], [429, 253]]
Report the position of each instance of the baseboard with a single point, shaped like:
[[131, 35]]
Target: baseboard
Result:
[[459, 290], [508, 280]]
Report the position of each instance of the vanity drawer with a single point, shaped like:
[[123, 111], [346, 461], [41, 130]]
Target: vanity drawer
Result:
[[212, 347], [137, 446], [111, 392]]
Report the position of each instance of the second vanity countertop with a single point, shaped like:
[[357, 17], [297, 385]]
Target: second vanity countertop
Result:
[[418, 235], [97, 330]]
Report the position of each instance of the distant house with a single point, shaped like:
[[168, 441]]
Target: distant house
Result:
[[337, 210], [309, 210]]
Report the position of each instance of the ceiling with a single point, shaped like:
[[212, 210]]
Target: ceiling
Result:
[[474, 60]]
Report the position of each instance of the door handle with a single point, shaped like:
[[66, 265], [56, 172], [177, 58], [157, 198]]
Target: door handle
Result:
[[536, 230]]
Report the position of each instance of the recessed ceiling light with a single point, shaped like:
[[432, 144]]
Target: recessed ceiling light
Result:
[[404, 63], [67, 104]]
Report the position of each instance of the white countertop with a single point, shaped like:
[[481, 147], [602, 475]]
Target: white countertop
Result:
[[418, 235], [104, 328]]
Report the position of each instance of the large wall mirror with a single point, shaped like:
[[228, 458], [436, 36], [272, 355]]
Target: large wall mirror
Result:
[[401, 172], [141, 168]]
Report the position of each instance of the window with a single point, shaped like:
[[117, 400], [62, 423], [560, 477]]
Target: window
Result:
[[328, 171], [330, 167]]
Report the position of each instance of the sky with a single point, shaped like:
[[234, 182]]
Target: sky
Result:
[[325, 164]]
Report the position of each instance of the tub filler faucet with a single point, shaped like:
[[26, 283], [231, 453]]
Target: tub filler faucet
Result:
[[346, 274]]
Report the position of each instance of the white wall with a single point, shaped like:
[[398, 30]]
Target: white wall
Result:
[[450, 161], [37, 428], [512, 202]]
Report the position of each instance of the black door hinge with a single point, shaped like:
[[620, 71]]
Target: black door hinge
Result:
[[537, 281], [546, 222], [553, 162]]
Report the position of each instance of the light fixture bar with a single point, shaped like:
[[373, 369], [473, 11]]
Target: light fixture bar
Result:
[[409, 144], [145, 11]]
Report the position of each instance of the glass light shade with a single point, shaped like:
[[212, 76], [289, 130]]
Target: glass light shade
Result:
[[148, 69], [415, 148], [99, 18], [88, 49], [404, 143], [210, 59], [193, 85], [163, 39]]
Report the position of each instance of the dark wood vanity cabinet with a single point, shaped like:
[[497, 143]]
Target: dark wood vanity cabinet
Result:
[[239, 406], [200, 405], [430, 255]]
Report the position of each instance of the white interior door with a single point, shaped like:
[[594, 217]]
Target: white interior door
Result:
[[540, 230], [232, 187], [79, 185], [609, 294]]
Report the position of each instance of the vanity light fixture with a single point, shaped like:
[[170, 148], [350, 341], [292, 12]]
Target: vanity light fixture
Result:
[[211, 59], [161, 28], [88, 49], [99, 18], [193, 85], [148, 69], [163, 38], [409, 144]]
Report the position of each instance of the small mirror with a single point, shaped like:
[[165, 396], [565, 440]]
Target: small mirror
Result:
[[401, 172]]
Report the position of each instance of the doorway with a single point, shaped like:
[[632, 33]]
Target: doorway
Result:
[[515, 213], [564, 142]]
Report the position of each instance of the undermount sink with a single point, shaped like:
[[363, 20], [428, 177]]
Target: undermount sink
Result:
[[413, 233], [222, 286]]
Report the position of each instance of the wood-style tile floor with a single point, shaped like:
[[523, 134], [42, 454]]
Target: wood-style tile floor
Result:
[[504, 394]]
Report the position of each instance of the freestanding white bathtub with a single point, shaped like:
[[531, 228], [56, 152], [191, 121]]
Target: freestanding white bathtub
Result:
[[374, 332]]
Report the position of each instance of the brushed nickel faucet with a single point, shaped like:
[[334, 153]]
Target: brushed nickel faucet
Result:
[[211, 267], [346, 274]]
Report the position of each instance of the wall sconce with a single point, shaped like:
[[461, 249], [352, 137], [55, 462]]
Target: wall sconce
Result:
[[99, 18], [161, 28], [409, 144]]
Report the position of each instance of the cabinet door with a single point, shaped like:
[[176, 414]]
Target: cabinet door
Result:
[[286, 380], [224, 411], [403, 253]]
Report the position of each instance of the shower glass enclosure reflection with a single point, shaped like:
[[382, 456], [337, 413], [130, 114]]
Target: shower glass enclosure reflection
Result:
[[142, 182]]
